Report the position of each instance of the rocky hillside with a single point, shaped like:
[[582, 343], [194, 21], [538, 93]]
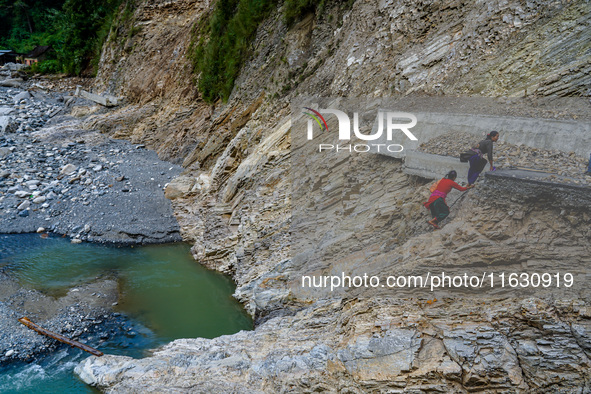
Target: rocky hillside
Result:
[[445, 47], [244, 195]]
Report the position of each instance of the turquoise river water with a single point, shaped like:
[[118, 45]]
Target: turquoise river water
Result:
[[164, 295]]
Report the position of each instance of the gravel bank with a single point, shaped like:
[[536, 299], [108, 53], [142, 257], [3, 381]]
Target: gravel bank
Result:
[[84, 313], [56, 177]]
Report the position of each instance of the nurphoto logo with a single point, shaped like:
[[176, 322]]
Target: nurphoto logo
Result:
[[394, 121]]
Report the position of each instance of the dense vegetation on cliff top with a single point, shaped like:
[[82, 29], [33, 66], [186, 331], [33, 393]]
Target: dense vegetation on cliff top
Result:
[[75, 29], [220, 42]]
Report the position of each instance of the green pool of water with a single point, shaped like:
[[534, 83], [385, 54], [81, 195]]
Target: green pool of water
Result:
[[161, 288]]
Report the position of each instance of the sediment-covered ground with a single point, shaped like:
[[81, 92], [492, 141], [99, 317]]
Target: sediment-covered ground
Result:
[[84, 312], [57, 178], [60, 178]]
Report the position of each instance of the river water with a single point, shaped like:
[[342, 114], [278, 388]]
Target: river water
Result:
[[164, 295]]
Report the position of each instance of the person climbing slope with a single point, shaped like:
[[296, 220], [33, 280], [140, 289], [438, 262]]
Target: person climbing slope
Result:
[[475, 156], [436, 203]]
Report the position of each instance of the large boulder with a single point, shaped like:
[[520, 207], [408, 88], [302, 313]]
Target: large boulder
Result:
[[179, 187], [14, 66], [4, 152], [21, 96], [7, 125], [6, 111]]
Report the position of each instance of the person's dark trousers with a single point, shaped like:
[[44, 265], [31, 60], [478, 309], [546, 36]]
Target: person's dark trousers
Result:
[[439, 209], [589, 166], [476, 166]]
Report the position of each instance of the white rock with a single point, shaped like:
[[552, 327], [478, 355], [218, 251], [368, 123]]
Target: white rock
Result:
[[68, 169], [21, 96], [39, 200], [22, 193], [41, 230], [33, 182]]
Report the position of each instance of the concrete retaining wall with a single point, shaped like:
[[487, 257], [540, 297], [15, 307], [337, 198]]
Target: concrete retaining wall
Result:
[[561, 135], [434, 166]]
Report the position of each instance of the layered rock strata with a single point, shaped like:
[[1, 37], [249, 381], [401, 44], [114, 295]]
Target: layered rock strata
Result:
[[235, 202]]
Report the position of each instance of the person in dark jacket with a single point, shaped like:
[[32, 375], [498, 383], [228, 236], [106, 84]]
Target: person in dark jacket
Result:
[[436, 203], [588, 172], [476, 155]]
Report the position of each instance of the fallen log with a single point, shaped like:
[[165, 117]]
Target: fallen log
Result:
[[61, 338]]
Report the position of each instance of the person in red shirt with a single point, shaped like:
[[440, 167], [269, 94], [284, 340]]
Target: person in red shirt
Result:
[[436, 203]]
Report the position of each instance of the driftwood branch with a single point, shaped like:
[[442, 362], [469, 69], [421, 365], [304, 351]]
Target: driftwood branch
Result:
[[61, 338]]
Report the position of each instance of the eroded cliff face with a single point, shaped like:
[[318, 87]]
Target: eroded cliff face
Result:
[[236, 204], [504, 48], [306, 342]]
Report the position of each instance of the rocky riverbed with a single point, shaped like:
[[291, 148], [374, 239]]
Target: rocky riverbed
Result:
[[84, 313], [56, 177]]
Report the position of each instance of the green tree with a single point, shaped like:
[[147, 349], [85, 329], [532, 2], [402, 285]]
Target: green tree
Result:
[[24, 24], [85, 25], [76, 29]]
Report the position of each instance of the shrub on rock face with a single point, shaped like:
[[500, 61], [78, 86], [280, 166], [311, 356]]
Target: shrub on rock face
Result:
[[219, 46], [294, 9]]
